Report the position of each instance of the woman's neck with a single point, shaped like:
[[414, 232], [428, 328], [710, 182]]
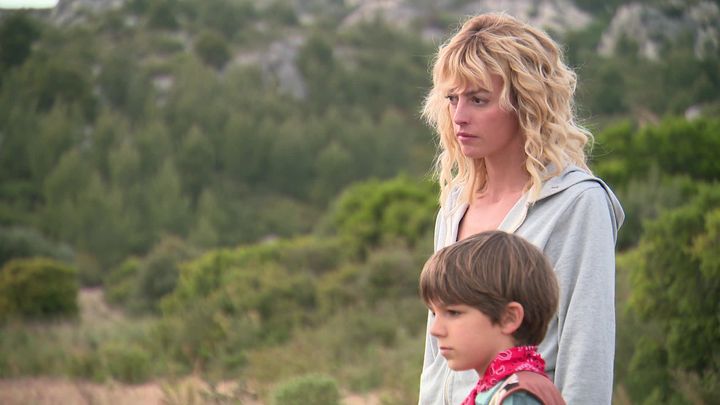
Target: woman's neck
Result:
[[504, 180]]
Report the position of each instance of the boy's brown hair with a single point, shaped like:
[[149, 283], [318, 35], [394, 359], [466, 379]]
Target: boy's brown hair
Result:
[[489, 270]]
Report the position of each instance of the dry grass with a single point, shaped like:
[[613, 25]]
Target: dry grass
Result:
[[93, 308], [96, 315], [54, 391], [190, 391]]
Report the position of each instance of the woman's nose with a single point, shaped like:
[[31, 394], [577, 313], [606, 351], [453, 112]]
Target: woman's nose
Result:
[[460, 114]]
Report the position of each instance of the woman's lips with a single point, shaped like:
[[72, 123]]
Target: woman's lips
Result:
[[464, 136]]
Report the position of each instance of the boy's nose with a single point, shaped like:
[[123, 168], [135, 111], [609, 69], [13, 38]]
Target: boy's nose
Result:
[[437, 329]]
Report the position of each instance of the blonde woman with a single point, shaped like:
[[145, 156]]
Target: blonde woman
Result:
[[511, 157]]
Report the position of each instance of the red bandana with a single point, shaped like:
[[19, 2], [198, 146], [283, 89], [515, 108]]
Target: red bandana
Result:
[[523, 358]]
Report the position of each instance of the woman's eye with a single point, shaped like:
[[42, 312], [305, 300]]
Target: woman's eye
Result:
[[452, 98], [478, 100]]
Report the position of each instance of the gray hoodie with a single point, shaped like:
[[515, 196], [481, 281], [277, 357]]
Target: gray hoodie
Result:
[[574, 221]]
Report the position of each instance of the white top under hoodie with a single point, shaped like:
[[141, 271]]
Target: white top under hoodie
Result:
[[574, 221]]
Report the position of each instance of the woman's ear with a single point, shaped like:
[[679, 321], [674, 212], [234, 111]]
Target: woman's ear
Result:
[[512, 318]]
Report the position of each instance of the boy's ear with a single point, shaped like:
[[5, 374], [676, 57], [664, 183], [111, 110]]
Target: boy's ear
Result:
[[512, 317]]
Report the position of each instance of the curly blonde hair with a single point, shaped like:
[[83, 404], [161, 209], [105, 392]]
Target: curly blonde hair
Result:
[[537, 85]]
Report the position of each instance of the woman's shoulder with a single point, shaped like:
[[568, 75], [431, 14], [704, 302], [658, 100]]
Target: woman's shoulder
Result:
[[452, 199], [573, 181]]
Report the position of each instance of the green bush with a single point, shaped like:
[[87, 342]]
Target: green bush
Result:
[[159, 270], [392, 274], [676, 146], [126, 362], [17, 242], [85, 364], [309, 389], [371, 213], [139, 284], [644, 198], [675, 286], [38, 288], [121, 283], [212, 49]]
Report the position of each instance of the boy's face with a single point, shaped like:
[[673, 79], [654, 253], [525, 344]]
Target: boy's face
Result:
[[466, 337]]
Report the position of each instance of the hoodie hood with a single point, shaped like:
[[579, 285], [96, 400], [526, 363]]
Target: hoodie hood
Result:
[[571, 176]]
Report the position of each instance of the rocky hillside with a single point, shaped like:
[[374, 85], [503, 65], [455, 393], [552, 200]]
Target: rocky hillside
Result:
[[652, 27]]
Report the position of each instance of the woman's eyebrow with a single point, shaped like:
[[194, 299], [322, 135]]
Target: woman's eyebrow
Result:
[[474, 92], [470, 92]]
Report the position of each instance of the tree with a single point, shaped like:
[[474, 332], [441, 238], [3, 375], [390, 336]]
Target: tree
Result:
[[61, 190], [210, 217], [212, 49], [333, 171], [50, 81], [168, 209], [124, 165], [676, 286], [676, 146], [225, 16], [122, 82], [18, 31], [59, 131], [320, 71], [163, 14], [196, 163], [17, 242]]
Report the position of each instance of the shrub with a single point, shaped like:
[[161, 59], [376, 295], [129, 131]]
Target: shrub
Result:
[[38, 288], [392, 273], [644, 198], [121, 282], [212, 49], [17, 242], [308, 389], [676, 146], [158, 272], [675, 285], [138, 284], [369, 214], [126, 363]]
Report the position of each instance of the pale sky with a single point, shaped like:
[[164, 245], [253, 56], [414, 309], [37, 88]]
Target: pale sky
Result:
[[28, 3]]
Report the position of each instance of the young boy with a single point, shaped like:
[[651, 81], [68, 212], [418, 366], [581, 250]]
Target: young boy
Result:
[[493, 295]]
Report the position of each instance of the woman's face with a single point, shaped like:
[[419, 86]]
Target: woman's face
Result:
[[482, 128]]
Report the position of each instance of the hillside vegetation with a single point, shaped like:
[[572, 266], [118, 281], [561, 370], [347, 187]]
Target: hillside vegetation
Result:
[[248, 184]]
